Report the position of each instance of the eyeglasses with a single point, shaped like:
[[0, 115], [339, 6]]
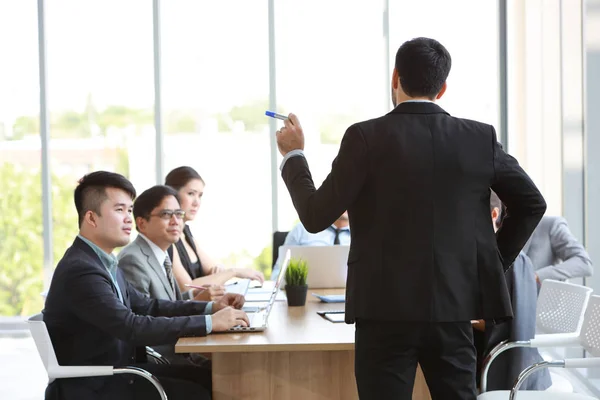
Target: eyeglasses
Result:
[[168, 214]]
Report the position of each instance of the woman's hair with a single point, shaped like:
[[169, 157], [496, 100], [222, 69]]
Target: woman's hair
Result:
[[180, 176]]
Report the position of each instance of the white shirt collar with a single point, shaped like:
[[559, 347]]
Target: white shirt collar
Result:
[[418, 101], [158, 252]]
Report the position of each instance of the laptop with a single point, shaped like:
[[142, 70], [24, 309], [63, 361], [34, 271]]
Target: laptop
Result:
[[327, 265], [258, 320]]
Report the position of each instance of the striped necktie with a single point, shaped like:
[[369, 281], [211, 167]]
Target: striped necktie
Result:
[[169, 271]]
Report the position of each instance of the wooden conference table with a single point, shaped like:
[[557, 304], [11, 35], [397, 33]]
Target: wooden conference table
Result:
[[300, 356]]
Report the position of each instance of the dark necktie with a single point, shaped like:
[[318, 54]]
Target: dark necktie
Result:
[[169, 271], [336, 239]]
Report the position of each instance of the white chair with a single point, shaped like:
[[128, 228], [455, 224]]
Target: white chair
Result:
[[40, 335], [559, 315], [589, 339]]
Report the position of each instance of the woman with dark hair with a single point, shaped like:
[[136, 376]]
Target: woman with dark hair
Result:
[[191, 265]]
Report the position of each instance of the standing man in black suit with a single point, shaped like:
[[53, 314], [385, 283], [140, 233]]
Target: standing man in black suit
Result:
[[424, 260], [95, 317]]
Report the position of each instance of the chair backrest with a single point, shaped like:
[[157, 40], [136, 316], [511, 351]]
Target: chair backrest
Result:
[[278, 241], [590, 331], [41, 337], [561, 307]]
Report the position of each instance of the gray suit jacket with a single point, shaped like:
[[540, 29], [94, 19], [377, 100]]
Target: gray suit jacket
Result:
[[142, 270], [555, 252]]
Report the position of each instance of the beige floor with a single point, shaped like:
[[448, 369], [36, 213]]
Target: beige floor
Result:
[[22, 375]]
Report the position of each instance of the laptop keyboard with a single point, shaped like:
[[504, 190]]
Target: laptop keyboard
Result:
[[257, 320]]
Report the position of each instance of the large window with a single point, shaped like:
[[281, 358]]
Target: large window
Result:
[[215, 93], [21, 229], [331, 72], [469, 30], [535, 94], [100, 85], [21, 247]]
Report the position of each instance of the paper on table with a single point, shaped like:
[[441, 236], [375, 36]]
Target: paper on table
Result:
[[335, 317]]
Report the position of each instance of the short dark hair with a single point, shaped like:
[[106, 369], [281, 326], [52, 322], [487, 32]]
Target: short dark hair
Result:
[[495, 202], [90, 193], [423, 66], [179, 177], [150, 199]]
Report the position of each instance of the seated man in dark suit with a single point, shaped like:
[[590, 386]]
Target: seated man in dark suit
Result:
[[95, 317]]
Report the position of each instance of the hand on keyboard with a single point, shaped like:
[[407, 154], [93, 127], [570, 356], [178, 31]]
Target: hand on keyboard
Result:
[[227, 318]]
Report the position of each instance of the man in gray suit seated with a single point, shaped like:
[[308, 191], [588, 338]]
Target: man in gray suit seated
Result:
[[145, 262], [556, 253]]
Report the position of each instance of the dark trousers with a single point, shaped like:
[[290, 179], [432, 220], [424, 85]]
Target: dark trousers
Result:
[[387, 354], [181, 382]]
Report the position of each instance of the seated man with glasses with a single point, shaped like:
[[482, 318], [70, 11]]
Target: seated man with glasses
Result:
[[145, 261]]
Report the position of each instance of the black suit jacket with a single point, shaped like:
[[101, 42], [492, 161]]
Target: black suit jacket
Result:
[[416, 183], [89, 325]]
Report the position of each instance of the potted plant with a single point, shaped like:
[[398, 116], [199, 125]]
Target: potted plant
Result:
[[295, 282]]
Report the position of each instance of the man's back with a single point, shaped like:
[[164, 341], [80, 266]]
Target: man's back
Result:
[[431, 173], [423, 247]]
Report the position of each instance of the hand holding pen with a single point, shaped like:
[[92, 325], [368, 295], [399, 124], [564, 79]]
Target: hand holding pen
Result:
[[207, 292], [291, 136]]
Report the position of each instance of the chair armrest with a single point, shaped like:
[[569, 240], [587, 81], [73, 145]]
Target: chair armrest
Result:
[[495, 352], [545, 340], [556, 340], [530, 370], [591, 362], [59, 372], [144, 374]]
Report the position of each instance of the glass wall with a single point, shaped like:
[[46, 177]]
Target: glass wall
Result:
[[331, 72], [535, 91], [473, 90], [215, 93], [100, 99], [21, 246]]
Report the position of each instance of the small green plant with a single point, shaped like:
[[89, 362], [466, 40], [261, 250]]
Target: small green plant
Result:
[[296, 272]]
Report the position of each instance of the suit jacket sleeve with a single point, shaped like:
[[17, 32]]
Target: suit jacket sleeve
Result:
[[318, 209], [93, 300], [525, 205], [575, 259], [135, 273]]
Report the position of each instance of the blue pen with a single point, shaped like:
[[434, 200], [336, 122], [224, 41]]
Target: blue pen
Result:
[[275, 115]]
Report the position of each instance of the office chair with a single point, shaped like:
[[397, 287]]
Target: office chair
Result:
[[41, 337], [561, 307], [278, 240], [588, 338]]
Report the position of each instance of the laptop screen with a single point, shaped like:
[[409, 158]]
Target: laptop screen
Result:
[[286, 262]]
